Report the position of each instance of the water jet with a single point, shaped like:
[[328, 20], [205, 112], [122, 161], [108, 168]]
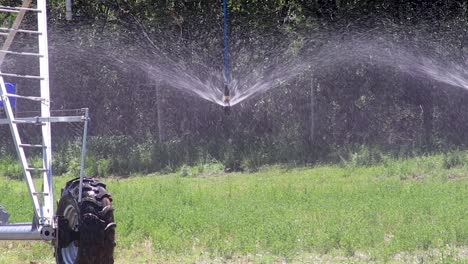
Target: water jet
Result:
[[227, 100]]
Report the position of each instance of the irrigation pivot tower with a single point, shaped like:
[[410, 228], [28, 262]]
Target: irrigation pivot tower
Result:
[[84, 207]]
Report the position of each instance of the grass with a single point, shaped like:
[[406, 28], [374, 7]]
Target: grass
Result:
[[412, 210]]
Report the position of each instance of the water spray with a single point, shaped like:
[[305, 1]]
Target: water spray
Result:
[[227, 99], [227, 96]]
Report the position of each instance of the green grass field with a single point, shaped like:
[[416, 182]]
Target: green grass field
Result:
[[400, 211]]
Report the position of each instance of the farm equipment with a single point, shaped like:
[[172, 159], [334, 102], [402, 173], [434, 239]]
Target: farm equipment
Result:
[[82, 228]]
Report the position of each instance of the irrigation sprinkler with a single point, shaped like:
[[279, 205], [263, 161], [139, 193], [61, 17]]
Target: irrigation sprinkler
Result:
[[227, 100], [227, 96], [82, 228]]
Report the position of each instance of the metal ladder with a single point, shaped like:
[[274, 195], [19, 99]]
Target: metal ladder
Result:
[[42, 200]]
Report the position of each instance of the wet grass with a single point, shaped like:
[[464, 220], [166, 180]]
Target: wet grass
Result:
[[402, 211]]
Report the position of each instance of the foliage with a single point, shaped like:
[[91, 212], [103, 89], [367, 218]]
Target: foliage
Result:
[[122, 156], [139, 125], [397, 211], [455, 159], [10, 167]]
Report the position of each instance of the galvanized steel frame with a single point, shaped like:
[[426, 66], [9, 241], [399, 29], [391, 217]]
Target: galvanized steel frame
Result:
[[44, 223]]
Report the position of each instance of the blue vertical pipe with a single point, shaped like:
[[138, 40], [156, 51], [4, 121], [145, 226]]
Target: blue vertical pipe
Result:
[[226, 43]]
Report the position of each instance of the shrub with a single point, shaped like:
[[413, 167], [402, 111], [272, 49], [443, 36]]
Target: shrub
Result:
[[365, 156], [10, 167], [455, 158]]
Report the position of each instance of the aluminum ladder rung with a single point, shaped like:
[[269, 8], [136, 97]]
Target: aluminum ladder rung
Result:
[[13, 9], [22, 76], [40, 193], [19, 31], [52, 119], [9, 10], [33, 122], [37, 169], [32, 146], [22, 53], [32, 98]]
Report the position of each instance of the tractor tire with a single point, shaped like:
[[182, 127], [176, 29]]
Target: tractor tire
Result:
[[86, 230]]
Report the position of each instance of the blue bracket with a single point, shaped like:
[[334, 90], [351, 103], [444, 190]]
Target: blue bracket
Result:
[[11, 90]]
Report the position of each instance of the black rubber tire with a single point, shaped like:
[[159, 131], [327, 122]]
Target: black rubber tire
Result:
[[89, 235]]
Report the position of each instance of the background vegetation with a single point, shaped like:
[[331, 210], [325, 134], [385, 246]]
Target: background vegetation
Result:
[[411, 211], [327, 114], [395, 143]]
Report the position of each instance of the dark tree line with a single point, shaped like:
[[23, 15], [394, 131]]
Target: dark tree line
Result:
[[323, 114]]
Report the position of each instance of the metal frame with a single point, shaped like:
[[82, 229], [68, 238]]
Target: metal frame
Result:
[[44, 224], [40, 230]]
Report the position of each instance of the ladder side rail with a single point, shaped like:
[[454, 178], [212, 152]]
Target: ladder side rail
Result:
[[83, 153], [45, 111], [38, 208], [15, 27], [19, 150]]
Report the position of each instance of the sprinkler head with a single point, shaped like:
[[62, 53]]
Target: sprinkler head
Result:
[[227, 100]]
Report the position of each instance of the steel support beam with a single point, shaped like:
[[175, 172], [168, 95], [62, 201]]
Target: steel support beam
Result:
[[21, 231]]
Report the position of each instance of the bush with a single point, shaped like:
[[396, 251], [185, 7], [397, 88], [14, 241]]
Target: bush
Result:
[[124, 155], [103, 167], [231, 160], [67, 157], [10, 167], [365, 156], [455, 158]]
